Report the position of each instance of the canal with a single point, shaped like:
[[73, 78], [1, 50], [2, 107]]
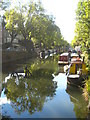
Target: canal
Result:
[[44, 94]]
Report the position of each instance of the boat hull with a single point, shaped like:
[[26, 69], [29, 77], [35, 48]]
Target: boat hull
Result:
[[77, 81]]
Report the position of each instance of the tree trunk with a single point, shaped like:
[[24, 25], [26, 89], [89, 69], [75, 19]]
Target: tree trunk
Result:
[[2, 33], [12, 37]]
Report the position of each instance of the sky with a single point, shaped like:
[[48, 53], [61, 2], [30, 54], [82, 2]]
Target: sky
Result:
[[64, 13]]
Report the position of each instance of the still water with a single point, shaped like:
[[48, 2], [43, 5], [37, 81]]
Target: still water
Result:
[[44, 94]]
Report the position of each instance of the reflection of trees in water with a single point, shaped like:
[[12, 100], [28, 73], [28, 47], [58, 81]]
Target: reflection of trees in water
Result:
[[31, 93], [80, 105]]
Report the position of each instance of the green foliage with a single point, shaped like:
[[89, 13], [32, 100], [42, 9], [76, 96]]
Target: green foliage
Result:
[[86, 90], [12, 23], [82, 30], [88, 86], [32, 23]]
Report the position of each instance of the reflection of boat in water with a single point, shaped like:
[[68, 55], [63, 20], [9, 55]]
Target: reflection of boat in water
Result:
[[76, 73], [63, 59], [76, 97], [74, 92]]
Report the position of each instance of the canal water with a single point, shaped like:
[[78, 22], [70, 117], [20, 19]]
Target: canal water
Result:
[[44, 94]]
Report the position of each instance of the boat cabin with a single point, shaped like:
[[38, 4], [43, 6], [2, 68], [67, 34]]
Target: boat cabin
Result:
[[76, 71], [77, 67], [63, 59]]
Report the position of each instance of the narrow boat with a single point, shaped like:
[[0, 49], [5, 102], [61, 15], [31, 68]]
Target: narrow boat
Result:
[[76, 73], [63, 59]]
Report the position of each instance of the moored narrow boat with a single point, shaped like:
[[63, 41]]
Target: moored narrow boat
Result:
[[77, 72], [63, 59]]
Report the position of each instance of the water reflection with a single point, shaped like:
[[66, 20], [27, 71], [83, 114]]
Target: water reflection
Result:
[[29, 93], [45, 94], [16, 76], [76, 97]]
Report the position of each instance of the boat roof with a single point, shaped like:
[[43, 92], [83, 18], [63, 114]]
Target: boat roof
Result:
[[74, 54], [77, 60], [64, 54], [74, 76]]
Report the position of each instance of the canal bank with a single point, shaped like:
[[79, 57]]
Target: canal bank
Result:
[[86, 92], [11, 56]]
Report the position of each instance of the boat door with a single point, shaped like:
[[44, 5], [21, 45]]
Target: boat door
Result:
[[78, 67]]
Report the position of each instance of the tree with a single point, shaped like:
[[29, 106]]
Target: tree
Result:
[[12, 23], [82, 30], [45, 31], [4, 5], [34, 25]]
